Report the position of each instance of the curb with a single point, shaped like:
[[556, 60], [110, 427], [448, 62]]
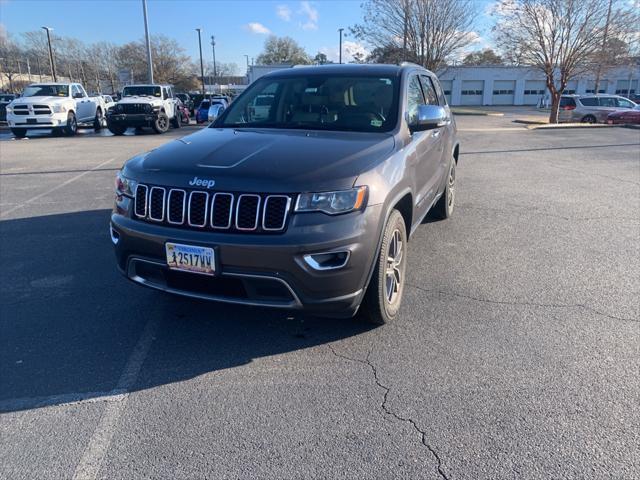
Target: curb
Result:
[[561, 126]]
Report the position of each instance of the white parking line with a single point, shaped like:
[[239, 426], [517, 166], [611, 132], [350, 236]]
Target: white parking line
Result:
[[93, 456], [57, 187]]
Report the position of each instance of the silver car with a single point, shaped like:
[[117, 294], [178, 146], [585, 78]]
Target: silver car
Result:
[[591, 108], [215, 110]]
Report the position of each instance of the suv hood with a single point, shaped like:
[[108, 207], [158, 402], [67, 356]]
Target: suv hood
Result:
[[267, 160]]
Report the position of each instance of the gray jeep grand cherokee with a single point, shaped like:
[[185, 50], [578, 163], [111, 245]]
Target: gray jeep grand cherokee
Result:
[[305, 203]]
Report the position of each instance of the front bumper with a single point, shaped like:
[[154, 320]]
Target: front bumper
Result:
[[132, 120], [54, 120], [260, 269]]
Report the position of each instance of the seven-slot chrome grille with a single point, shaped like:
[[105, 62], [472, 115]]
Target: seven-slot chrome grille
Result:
[[217, 211]]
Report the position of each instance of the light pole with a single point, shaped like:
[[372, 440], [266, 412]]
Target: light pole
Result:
[[199, 30], [146, 35], [51, 60], [213, 47], [340, 30]]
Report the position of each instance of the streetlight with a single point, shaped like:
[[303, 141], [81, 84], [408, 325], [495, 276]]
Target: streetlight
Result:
[[199, 30], [213, 47], [146, 35], [340, 30], [51, 61]]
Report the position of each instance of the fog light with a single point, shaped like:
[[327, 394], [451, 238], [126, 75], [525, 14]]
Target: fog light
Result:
[[115, 236], [327, 260]]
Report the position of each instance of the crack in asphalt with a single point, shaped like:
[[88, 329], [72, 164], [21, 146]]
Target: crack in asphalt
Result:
[[530, 304], [388, 411], [527, 209]]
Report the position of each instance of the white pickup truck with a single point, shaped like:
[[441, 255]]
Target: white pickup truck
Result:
[[56, 106]]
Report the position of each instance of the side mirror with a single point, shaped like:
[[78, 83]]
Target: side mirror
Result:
[[78, 95], [429, 117]]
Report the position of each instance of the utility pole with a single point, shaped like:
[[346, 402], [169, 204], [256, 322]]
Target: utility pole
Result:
[[199, 30], [38, 64], [213, 47], [148, 41], [602, 50], [340, 30], [29, 69], [51, 59], [404, 29]]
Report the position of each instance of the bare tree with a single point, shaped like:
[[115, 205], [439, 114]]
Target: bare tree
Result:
[[559, 37], [426, 31], [10, 57]]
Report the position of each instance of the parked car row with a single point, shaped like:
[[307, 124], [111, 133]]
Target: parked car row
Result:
[[63, 107], [592, 108]]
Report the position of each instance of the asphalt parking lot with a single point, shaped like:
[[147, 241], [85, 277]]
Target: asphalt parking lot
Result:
[[516, 354]]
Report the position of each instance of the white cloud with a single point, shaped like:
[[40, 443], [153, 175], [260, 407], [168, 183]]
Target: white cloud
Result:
[[349, 49], [311, 13], [257, 28], [284, 12]]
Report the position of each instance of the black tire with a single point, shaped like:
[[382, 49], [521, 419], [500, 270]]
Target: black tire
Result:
[[116, 129], [589, 119], [175, 121], [383, 297], [161, 123], [443, 208], [19, 132], [72, 125], [97, 120]]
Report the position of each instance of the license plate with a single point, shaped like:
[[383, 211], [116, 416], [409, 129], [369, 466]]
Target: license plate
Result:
[[189, 258], [32, 120]]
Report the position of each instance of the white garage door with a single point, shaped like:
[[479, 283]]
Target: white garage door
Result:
[[471, 93], [503, 92], [446, 86], [534, 91]]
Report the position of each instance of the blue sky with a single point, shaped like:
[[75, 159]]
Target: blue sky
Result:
[[240, 26]]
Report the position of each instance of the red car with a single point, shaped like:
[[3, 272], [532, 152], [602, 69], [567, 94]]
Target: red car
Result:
[[625, 116]]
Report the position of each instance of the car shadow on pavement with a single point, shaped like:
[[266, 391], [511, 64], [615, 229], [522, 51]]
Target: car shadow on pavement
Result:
[[69, 321]]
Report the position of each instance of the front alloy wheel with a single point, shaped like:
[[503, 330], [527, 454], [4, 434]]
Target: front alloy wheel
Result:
[[384, 294]]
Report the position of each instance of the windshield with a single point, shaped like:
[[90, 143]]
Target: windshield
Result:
[[46, 91], [319, 102], [141, 91], [204, 104]]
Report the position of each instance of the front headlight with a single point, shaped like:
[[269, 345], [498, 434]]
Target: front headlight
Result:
[[9, 109], [59, 109], [125, 186], [333, 203], [148, 108]]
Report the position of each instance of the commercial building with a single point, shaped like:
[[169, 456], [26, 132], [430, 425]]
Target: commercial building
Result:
[[507, 85]]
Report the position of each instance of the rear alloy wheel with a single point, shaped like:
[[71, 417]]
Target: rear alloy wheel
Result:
[[98, 120], [384, 293], [161, 124], [72, 125], [443, 209], [588, 119], [19, 132]]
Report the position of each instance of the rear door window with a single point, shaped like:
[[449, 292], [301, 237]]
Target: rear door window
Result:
[[608, 102], [589, 102]]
